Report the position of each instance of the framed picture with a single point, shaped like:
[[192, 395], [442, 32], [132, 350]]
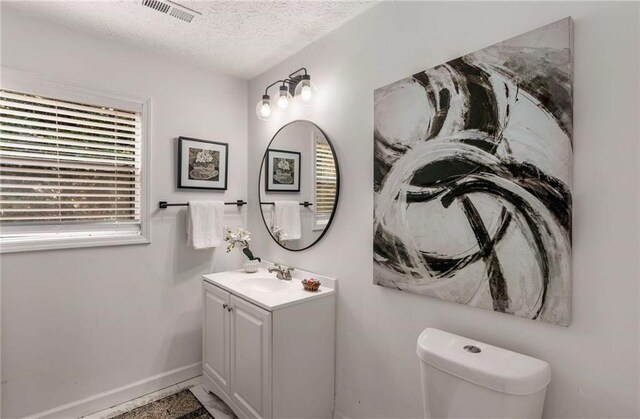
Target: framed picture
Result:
[[283, 171], [202, 164]]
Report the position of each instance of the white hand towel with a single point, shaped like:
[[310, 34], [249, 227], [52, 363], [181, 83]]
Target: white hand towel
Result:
[[205, 224], [286, 217]]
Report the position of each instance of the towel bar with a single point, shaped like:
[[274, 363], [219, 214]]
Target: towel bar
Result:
[[304, 204], [165, 204]]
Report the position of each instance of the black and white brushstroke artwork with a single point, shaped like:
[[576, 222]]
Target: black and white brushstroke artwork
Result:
[[472, 178]]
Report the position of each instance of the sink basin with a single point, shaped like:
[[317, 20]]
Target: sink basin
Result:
[[263, 284]]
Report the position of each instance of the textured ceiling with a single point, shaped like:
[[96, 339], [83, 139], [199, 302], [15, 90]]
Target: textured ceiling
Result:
[[241, 38]]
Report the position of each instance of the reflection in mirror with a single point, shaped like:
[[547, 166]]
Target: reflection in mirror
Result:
[[299, 185]]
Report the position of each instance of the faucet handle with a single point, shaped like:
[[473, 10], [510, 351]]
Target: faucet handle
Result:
[[287, 273], [290, 268]]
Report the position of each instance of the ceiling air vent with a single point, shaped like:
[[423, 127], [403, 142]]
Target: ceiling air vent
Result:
[[173, 9], [157, 5], [182, 15]]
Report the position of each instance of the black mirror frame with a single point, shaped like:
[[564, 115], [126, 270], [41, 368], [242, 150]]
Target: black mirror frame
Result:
[[335, 207]]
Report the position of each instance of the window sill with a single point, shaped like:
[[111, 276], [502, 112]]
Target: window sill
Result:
[[27, 245]]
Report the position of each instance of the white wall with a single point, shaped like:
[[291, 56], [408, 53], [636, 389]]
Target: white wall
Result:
[[595, 360], [76, 323]]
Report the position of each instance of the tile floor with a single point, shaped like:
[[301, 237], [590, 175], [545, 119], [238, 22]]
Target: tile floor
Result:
[[216, 407]]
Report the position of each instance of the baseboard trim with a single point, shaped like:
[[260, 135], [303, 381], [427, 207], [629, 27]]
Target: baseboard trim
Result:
[[122, 394]]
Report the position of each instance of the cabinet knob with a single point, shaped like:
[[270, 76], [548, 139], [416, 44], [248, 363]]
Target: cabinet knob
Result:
[[225, 305], [229, 309]]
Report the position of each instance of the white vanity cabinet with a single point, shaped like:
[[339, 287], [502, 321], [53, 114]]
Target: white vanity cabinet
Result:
[[237, 350], [268, 357]]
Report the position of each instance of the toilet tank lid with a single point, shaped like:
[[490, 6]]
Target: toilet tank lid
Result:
[[492, 367]]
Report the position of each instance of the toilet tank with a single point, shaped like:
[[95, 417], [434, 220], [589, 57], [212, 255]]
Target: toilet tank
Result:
[[464, 378]]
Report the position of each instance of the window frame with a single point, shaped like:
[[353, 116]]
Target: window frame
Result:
[[87, 235]]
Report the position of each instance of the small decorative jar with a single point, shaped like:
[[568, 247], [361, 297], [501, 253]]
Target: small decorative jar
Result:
[[251, 265]]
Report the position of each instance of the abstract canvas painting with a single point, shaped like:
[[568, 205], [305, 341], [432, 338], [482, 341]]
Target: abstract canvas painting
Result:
[[472, 178]]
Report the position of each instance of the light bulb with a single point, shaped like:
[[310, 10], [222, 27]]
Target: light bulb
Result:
[[284, 97], [263, 108], [283, 102], [305, 94], [305, 91]]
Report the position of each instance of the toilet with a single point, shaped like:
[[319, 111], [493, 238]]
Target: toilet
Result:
[[464, 378]]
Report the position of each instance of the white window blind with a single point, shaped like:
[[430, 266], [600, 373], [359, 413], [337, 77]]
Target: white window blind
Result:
[[325, 180], [67, 169]]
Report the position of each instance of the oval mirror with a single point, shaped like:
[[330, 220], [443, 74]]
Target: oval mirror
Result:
[[299, 185]]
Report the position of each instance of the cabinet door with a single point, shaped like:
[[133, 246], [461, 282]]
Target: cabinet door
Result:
[[250, 377], [215, 340]]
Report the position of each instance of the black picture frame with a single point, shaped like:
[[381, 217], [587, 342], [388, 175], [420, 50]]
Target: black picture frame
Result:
[[270, 155], [187, 179]]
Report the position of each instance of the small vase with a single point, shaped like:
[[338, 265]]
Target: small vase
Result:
[[251, 266]]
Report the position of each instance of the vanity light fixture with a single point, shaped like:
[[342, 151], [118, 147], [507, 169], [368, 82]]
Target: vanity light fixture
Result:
[[298, 82]]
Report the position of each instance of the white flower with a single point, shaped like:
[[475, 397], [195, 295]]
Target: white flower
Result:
[[283, 164], [203, 157], [238, 237], [277, 233]]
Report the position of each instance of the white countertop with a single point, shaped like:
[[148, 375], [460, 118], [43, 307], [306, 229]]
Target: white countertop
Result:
[[265, 290]]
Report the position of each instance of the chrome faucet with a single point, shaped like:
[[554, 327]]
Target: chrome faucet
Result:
[[283, 272]]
